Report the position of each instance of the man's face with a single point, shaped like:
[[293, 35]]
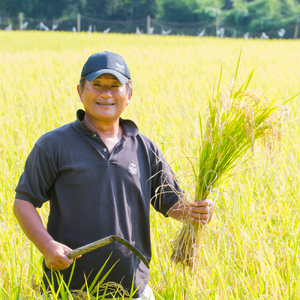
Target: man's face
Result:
[[104, 99]]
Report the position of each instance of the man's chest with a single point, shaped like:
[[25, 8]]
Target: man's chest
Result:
[[126, 164]]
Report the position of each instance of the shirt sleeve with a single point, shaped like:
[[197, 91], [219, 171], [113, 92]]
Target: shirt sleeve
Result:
[[37, 179], [165, 187]]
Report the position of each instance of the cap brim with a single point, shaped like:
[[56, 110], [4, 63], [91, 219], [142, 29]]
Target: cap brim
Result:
[[92, 76]]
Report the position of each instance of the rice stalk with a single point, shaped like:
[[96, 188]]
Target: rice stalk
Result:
[[237, 120]]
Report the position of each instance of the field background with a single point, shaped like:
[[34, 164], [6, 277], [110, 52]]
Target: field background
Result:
[[250, 249]]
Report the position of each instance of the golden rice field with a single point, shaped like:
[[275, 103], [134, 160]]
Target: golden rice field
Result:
[[251, 249]]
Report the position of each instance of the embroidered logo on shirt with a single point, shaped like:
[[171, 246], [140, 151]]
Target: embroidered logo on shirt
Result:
[[132, 168]]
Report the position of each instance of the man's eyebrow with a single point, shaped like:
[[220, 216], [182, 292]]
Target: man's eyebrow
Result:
[[115, 79]]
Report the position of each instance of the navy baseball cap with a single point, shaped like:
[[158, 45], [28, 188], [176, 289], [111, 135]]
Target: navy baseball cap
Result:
[[103, 63]]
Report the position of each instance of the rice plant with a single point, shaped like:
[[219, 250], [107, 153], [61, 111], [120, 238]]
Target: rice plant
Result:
[[237, 120]]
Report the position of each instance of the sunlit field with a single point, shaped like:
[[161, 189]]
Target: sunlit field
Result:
[[250, 250]]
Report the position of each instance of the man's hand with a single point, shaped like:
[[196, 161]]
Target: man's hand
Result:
[[201, 211], [55, 256]]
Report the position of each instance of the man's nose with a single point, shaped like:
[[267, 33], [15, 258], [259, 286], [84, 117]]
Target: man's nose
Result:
[[105, 92]]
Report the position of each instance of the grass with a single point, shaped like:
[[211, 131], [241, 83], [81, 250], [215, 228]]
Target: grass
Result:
[[250, 250]]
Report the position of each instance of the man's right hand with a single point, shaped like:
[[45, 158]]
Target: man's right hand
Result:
[[55, 256]]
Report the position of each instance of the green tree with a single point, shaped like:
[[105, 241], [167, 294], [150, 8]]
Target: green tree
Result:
[[211, 8], [243, 15], [262, 15], [119, 9], [238, 16], [40, 9], [178, 10]]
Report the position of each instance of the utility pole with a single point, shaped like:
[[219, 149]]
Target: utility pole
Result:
[[217, 25], [296, 29], [148, 24], [21, 18], [78, 22], [234, 33]]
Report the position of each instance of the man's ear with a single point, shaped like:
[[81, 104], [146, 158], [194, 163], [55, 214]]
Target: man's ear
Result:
[[79, 91], [129, 97]]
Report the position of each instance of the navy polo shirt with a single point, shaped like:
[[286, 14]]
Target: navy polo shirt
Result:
[[94, 193]]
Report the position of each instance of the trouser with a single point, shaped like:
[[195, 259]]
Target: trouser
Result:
[[147, 294]]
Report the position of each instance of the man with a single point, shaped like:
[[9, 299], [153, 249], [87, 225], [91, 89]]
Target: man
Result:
[[100, 175]]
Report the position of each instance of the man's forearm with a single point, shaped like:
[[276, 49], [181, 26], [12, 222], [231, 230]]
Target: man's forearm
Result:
[[31, 223], [179, 211]]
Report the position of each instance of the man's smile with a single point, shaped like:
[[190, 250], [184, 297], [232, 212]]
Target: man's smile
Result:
[[105, 104]]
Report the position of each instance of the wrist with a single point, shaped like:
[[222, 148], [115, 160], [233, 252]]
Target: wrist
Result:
[[45, 244]]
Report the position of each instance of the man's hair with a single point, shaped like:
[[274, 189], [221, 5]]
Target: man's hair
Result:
[[129, 85]]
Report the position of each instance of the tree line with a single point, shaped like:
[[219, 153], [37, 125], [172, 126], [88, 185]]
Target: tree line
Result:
[[247, 15]]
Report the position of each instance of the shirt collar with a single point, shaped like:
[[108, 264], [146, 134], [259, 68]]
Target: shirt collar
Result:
[[129, 127]]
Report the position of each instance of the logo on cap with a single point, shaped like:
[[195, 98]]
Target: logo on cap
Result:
[[120, 66]]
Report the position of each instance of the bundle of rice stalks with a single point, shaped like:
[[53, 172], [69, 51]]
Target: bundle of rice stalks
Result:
[[119, 293], [237, 120]]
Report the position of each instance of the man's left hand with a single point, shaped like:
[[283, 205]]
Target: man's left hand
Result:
[[201, 211]]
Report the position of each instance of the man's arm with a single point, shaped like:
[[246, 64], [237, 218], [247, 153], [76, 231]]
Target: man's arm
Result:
[[32, 225], [199, 211]]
